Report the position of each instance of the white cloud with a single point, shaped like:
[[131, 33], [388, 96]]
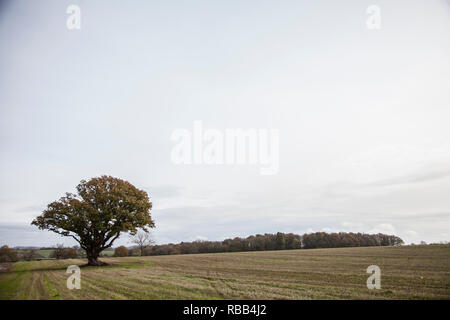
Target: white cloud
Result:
[[383, 228]]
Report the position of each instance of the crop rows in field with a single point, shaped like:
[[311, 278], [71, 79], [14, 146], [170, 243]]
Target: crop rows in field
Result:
[[409, 272]]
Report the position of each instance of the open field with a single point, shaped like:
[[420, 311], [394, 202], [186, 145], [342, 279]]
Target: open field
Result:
[[409, 272]]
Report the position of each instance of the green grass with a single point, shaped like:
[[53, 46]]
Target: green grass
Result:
[[108, 253], [409, 272], [45, 253], [8, 286], [50, 288]]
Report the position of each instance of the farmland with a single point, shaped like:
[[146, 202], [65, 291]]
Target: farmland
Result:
[[407, 272], [47, 253]]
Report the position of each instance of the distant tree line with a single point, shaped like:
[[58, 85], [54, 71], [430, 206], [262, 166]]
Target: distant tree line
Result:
[[8, 254], [344, 239], [278, 241]]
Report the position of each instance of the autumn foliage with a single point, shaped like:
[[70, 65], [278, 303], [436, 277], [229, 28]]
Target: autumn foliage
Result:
[[121, 251], [7, 254], [278, 241]]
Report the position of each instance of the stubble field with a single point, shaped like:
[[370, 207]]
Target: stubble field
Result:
[[408, 272]]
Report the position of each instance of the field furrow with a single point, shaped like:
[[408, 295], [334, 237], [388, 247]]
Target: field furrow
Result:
[[409, 272]]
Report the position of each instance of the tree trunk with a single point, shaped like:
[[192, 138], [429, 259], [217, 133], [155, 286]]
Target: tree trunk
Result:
[[93, 259]]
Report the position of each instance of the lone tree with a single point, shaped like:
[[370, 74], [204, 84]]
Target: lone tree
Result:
[[103, 208]]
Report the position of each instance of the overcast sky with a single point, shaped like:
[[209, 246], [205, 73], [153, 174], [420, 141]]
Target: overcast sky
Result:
[[363, 115]]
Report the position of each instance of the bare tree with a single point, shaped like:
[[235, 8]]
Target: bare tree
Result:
[[142, 240], [31, 254], [58, 252], [64, 253]]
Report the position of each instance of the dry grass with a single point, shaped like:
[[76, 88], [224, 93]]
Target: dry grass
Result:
[[410, 272]]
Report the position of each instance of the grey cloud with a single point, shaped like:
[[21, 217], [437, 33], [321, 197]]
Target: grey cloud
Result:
[[27, 235], [34, 208], [412, 178], [164, 191], [344, 132]]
